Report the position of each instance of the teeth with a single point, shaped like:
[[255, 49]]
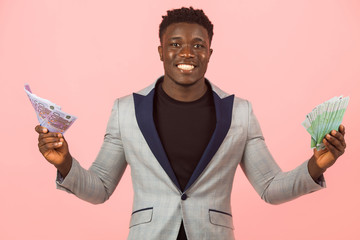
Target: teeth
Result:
[[185, 66]]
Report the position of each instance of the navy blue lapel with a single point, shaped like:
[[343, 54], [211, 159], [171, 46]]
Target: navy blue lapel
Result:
[[145, 119], [223, 108]]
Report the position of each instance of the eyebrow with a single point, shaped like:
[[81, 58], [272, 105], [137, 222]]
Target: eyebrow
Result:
[[195, 39], [199, 39], [175, 38]]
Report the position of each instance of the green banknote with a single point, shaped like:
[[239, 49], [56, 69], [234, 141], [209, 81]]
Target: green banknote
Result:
[[324, 118]]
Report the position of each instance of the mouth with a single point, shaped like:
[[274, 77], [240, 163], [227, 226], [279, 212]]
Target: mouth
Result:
[[185, 66]]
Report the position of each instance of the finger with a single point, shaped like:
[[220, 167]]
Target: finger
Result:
[[49, 135], [339, 136], [334, 142], [40, 129], [334, 151], [44, 141], [342, 129], [50, 146]]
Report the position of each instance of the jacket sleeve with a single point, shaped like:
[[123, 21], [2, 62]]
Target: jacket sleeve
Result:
[[98, 183], [273, 185]]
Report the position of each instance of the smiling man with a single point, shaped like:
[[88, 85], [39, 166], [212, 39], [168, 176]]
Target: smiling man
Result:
[[185, 51], [183, 139]]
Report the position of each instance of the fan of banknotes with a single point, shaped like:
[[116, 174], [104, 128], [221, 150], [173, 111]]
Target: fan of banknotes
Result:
[[49, 114], [324, 118]]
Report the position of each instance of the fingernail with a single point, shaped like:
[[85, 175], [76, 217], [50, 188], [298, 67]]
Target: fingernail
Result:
[[327, 136], [333, 132], [59, 143]]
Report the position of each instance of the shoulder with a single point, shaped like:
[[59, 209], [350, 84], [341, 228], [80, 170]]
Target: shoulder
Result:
[[129, 99], [145, 91], [238, 103]]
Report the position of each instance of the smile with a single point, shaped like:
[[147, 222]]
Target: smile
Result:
[[186, 67]]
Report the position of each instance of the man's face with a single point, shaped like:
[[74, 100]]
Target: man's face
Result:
[[185, 51]]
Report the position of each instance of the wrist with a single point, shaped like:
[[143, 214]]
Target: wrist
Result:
[[65, 166], [314, 169]]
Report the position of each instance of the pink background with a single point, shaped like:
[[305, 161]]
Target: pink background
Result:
[[284, 56]]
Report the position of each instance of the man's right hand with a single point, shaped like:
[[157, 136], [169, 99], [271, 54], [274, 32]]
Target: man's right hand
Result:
[[55, 149]]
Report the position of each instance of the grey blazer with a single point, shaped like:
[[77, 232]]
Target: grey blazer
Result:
[[159, 205]]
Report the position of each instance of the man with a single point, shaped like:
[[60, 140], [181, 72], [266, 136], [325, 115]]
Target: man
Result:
[[184, 138]]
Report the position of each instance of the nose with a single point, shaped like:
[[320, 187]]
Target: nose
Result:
[[187, 52]]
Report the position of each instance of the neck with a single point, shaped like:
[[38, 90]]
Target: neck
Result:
[[184, 92]]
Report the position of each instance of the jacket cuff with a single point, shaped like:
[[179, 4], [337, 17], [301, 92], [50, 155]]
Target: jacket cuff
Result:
[[318, 183], [66, 183]]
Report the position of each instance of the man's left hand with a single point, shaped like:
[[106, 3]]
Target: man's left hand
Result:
[[323, 159]]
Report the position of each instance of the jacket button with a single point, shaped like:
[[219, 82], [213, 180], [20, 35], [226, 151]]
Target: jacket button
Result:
[[184, 196]]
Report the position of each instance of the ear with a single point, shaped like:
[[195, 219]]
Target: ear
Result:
[[211, 51], [160, 50]]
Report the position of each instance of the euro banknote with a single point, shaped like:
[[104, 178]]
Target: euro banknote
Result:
[[324, 118], [50, 114]]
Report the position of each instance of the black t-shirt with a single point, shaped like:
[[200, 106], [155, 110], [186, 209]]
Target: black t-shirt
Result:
[[185, 129]]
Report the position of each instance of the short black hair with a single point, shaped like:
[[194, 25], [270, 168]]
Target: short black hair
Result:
[[188, 15]]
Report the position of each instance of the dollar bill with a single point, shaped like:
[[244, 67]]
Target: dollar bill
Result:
[[324, 118], [49, 114]]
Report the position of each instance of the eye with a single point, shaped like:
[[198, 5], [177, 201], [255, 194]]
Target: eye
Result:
[[175, 44], [198, 46]]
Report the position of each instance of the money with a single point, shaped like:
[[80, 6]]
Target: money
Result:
[[49, 114], [324, 118]]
